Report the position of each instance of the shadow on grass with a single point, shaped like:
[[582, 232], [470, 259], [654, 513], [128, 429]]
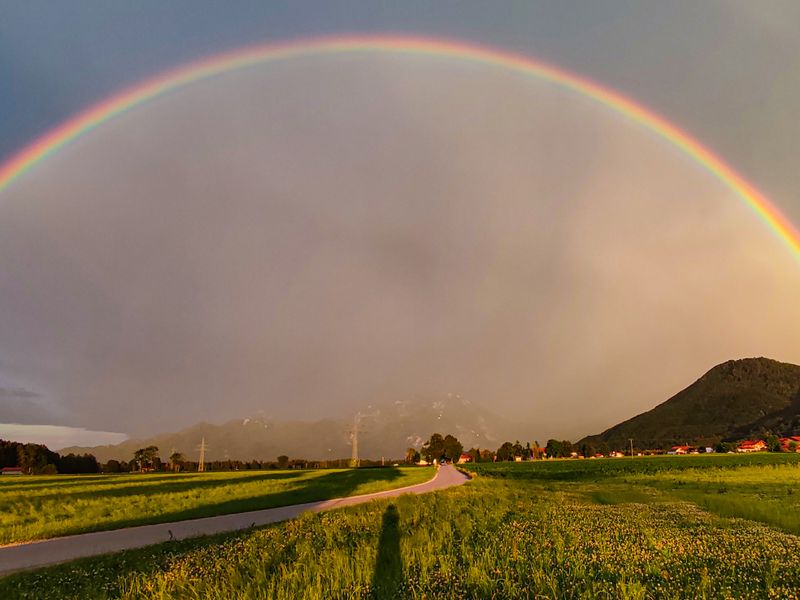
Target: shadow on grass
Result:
[[337, 484], [146, 484], [115, 480], [388, 577]]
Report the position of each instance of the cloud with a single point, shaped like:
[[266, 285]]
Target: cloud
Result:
[[21, 405], [10, 393], [56, 437], [319, 235]]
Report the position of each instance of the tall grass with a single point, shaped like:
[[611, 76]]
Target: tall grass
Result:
[[496, 537], [41, 507]]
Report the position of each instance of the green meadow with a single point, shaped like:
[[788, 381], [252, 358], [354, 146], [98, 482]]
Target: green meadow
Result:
[[48, 506], [664, 527]]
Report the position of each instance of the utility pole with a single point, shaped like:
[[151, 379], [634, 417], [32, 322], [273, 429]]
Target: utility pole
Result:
[[201, 465], [354, 460], [631, 441]]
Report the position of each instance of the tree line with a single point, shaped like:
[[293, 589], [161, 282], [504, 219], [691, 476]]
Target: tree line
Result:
[[38, 459], [448, 448]]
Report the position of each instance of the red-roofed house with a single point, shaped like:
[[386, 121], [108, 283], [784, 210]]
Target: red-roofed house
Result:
[[464, 458], [680, 450], [751, 446], [11, 471], [790, 444]]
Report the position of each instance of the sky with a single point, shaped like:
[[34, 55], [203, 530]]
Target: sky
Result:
[[303, 238]]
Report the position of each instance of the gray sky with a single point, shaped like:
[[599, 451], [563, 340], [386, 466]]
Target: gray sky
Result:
[[307, 237]]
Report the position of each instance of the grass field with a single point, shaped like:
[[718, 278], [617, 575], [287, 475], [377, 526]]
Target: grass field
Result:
[[47, 506], [622, 528]]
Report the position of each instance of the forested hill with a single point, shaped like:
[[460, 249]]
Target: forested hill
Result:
[[734, 400]]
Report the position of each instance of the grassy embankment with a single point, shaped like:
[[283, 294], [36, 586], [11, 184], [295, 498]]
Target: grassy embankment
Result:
[[47, 506], [624, 528]]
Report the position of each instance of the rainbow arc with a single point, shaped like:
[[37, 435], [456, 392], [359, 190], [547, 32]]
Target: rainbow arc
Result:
[[93, 117]]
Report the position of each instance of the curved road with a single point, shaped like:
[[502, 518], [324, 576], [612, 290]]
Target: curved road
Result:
[[41, 553]]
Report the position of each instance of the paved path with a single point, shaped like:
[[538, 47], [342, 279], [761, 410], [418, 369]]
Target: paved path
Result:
[[30, 555]]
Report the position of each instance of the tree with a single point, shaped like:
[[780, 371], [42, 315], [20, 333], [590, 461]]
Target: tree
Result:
[[487, 455], [452, 447], [433, 448], [517, 449], [146, 458], [412, 456], [559, 449], [176, 460], [35, 459], [73, 463], [112, 466], [475, 454], [773, 443], [283, 461], [506, 451], [723, 447]]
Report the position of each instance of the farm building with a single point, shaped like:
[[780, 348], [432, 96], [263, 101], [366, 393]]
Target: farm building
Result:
[[11, 471], [464, 458], [751, 446]]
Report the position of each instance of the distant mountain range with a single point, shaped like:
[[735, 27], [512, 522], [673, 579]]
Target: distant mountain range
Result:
[[383, 431], [735, 400]]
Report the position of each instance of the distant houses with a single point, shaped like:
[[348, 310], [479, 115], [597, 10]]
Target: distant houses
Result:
[[11, 471], [751, 446], [681, 450], [790, 444]]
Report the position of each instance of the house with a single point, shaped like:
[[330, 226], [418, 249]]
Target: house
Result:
[[679, 450], [423, 463], [751, 446], [464, 458], [517, 459], [790, 444], [11, 471]]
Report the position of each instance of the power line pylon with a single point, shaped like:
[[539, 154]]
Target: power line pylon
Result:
[[354, 460], [201, 465]]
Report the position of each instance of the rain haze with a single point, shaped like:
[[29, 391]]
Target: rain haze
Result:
[[307, 237]]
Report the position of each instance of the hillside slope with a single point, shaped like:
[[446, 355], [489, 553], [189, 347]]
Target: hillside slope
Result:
[[736, 399]]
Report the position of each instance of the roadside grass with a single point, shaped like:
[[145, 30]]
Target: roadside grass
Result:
[[48, 506], [492, 538]]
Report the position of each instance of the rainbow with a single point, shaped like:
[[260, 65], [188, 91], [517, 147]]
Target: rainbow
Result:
[[98, 114]]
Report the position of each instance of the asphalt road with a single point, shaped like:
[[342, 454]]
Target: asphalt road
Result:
[[30, 555]]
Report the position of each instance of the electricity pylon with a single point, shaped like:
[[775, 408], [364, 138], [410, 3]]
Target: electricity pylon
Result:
[[354, 460], [201, 465]]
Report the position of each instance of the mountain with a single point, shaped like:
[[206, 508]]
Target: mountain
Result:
[[734, 400], [385, 430]]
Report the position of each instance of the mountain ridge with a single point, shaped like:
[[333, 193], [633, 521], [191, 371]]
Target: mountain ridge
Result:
[[733, 400], [385, 430]]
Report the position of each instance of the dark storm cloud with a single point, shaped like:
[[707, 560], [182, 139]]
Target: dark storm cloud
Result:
[[313, 236]]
